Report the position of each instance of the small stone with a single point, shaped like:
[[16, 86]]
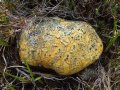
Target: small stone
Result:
[[64, 46]]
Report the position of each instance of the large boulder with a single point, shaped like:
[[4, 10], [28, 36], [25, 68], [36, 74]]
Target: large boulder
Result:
[[61, 45]]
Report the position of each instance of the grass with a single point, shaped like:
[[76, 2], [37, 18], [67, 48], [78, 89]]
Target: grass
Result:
[[3, 42], [116, 33], [103, 15], [32, 78]]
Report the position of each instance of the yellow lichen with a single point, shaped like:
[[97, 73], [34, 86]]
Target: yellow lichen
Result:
[[64, 46]]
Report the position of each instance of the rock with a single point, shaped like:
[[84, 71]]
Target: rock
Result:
[[64, 46]]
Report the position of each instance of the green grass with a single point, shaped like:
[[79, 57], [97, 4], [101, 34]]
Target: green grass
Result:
[[10, 87], [115, 34], [32, 78], [23, 79], [3, 42], [19, 78], [30, 71]]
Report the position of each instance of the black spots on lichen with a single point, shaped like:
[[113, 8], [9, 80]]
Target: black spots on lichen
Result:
[[81, 30], [81, 44], [74, 47], [83, 55], [34, 33], [67, 56], [95, 36], [59, 50], [32, 38], [65, 33], [59, 28], [54, 61], [45, 54], [87, 26], [84, 32], [47, 34], [33, 54], [60, 56], [77, 37], [32, 42], [95, 56], [72, 37], [92, 46], [70, 27], [75, 59], [101, 45], [96, 49], [73, 62]]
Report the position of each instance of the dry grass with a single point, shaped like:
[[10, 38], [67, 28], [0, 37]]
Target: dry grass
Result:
[[103, 15]]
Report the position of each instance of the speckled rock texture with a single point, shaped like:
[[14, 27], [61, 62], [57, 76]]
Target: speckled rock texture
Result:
[[61, 45]]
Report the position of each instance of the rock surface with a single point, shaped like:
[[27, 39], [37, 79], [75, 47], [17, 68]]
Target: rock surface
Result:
[[61, 45]]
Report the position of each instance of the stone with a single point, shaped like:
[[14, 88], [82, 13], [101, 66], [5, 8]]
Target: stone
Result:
[[64, 46]]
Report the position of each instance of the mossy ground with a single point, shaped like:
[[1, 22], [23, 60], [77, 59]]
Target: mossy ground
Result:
[[103, 15]]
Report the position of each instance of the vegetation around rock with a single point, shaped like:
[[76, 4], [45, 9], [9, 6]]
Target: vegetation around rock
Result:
[[103, 15]]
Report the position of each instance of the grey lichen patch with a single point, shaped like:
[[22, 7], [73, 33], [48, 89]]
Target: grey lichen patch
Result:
[[62, 45]]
